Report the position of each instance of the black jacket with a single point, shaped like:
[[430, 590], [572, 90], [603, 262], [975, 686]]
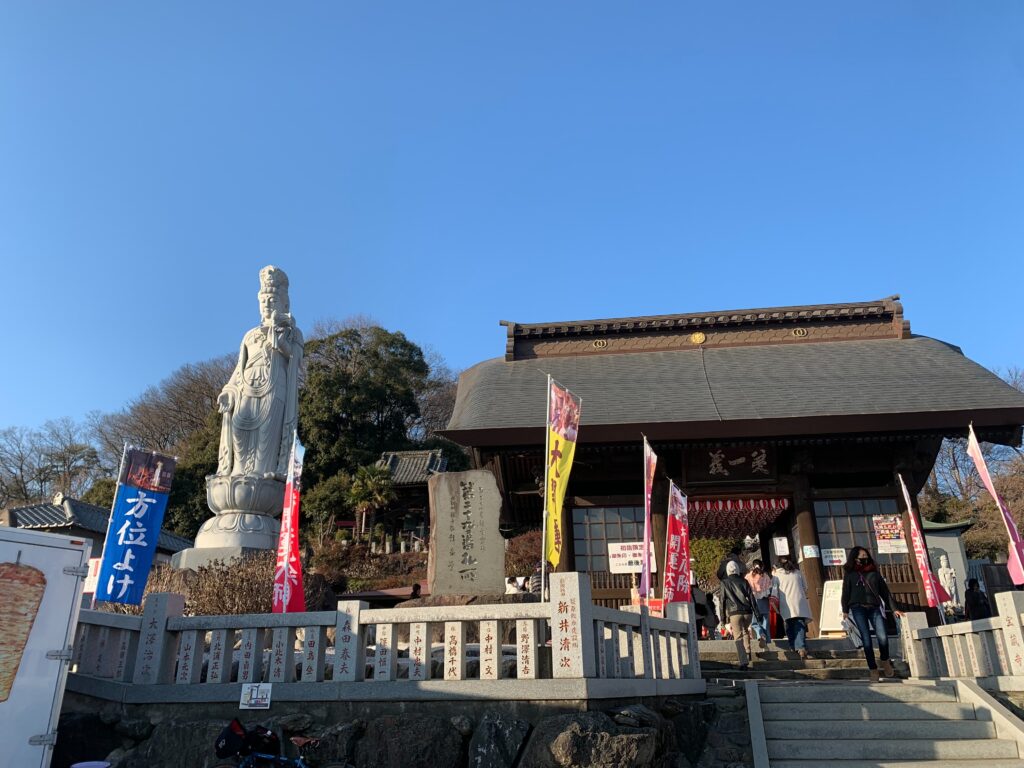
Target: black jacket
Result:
[[737, 597], [976, 605], [865, 588]]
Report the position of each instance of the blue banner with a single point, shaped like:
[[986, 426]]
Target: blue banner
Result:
[[135, 521]]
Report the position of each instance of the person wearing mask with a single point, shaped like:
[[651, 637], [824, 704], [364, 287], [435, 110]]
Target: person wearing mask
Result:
[[789, 587], [761, 585], [866, 599], [739, 605], [976, 605]]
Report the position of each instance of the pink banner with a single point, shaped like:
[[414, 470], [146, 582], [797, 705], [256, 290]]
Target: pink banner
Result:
[[1014, 560], [920, 553], [677, 549], [650, 464], [289, 595]]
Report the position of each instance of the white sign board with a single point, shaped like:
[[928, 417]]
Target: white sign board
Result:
[[831, 607], [781, 546], [627, 557], [255, 696], [41, 593], [811, 550], [94, 576], [835, 556]]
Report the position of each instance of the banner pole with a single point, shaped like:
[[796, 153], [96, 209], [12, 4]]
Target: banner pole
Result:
[[110, 518], [547, 468]]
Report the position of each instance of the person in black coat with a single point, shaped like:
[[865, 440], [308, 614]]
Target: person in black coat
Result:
[[739, 604], [866, 599], [976, 605]]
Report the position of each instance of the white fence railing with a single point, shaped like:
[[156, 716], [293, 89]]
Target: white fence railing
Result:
[[565, 648], [988, 650]]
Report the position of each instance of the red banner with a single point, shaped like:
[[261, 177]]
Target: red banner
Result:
[[920, 552], [677, 549], [289, 595], [1014, 560], [650, 464]]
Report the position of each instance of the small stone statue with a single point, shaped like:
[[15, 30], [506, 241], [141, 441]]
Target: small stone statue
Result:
[[259, 413], [948, 580]]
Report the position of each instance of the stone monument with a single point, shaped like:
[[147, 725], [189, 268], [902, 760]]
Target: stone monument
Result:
[[467, 552], [948, 580], [259, 413]]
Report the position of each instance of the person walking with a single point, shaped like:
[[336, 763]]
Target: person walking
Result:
[[761, 585], [976, 605], [866, 599], [735, 556], [789, 587], [739, 605]]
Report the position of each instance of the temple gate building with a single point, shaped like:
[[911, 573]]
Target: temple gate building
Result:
[[785, 422]]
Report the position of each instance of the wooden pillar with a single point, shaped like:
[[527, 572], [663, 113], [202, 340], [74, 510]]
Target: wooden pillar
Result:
[[807, 529]]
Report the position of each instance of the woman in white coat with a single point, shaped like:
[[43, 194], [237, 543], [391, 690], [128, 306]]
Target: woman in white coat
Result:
[[789, 587]]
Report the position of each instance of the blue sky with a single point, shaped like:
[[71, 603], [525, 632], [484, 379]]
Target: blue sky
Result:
[[441, 166]]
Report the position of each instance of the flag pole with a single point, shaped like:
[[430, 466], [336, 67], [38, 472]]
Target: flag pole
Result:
[[544, 493]]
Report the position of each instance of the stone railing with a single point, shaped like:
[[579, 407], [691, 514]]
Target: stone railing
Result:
[[990, 651], [567, 648]]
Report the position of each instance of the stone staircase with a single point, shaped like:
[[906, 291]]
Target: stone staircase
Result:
[[863, 725], [775, 663]]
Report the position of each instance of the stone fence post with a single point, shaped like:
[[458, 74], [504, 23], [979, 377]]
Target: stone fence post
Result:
[[684, 611], [573, 653], [350, 642], [158, 648], [913, 649], [1010, 605]]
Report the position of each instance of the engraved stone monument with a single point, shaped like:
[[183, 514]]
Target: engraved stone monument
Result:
[[259, 413], [467, 552]]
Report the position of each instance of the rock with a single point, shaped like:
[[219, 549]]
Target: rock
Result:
[[175, 743], [589, 740], [135, 729], [463, 725], [300, 722], [339, 742], [638, 714], [116, 757], [409, 741], [497, 741], [82, 737]]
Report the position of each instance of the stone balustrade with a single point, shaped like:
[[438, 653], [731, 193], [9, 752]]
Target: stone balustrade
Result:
[[990, 651], [567, 648]]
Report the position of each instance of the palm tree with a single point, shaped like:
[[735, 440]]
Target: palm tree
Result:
[[370, 492]]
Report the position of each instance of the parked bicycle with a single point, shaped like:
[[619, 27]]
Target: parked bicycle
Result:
[[260, 748]]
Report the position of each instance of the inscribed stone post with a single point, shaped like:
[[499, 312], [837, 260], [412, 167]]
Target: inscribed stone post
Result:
[[1011, 605], [250, 662], [467, 554], [218, 669], [419, 651], [349, 648], [158, 648], [573, 650]]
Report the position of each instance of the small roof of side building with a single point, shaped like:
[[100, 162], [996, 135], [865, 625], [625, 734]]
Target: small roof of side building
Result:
[[787, 371], [70, 513], [412, 467]]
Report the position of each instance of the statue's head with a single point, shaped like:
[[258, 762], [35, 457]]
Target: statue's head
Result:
[[273, 293], [943, 561]]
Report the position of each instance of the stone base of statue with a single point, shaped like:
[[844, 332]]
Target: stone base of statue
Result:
[[244, 522]]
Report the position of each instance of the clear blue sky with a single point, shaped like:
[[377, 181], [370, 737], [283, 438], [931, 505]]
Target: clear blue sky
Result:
[[441, 166]]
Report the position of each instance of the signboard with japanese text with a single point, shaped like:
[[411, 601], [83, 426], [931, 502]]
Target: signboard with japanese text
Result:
[[677, 549], [563, 421], [724, 464], [781, 545], [627, 556], [833, 556], [135, 520], [288, 590], [889, 538], [467, 553]]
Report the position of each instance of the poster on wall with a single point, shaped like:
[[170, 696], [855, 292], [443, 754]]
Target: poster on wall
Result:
[[781, 545], [833, 556], [889, 538], [628, 556]]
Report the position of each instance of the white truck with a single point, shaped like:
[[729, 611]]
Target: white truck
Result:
[[40, 595]]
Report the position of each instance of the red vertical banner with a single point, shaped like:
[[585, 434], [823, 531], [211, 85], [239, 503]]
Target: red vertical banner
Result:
[[1014, 560], [289, 595], [650, 464], [677, 549], [920, 552]]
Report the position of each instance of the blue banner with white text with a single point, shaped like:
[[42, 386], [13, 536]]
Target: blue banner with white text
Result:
[[134, 527]]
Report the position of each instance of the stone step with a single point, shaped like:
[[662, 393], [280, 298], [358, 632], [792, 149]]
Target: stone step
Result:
[[825, 752], [787, 674], [1009, 763], [878, 729], [773, 664], [851, 693], [881, 710], [776, 655]]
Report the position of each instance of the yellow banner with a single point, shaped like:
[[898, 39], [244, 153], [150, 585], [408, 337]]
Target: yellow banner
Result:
[[563, 428]]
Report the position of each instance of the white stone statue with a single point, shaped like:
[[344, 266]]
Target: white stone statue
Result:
[[259, 407], [948, 580]]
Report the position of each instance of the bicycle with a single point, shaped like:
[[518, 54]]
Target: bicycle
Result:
[[243, 749]]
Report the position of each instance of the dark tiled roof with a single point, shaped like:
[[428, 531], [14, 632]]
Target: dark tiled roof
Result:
[[88, 516], [805, 388], [929, 527], [412, 467]]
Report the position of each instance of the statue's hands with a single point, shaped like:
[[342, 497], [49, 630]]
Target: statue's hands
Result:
[[225, 402]]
